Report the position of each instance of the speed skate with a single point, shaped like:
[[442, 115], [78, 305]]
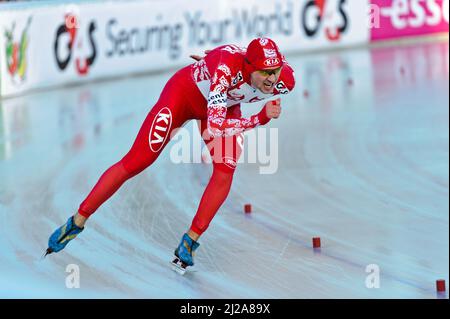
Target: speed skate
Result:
[[179, 266]]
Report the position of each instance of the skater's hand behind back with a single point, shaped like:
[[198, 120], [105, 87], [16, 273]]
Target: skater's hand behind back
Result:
[[198, 57]]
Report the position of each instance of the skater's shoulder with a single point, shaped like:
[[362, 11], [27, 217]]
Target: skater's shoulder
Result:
[[231, 50], [229, 54]]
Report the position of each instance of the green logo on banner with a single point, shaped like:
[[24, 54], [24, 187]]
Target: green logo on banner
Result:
[[16, 61]]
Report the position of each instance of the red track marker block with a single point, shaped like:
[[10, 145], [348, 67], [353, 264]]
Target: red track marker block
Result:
[[248, 208], [316, 242], [305, 94], [440, 285]]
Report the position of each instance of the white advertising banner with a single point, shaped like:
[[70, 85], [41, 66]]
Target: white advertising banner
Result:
[[61, 44]]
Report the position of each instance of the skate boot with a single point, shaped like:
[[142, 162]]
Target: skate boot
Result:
[[184, 254], [61, 237]]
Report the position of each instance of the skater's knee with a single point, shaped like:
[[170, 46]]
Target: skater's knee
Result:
[[222, 176], [121, 172], [226, 168], [133, 164]]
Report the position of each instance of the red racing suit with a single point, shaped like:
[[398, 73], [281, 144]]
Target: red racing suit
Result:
[[210, 90]]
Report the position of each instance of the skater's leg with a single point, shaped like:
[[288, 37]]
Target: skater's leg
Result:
[[172, 110], [140, 156], [215, 194], [169, 113], [225, 153], [107, 185], [213, 197]]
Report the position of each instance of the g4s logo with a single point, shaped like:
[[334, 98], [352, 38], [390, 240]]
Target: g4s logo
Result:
[[317, 15]]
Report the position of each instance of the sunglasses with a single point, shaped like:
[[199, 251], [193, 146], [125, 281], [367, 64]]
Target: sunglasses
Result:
[[270, 72], [266, 73]]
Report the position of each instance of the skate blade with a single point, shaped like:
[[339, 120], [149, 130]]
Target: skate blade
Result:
[[178, 266], [47, 252]]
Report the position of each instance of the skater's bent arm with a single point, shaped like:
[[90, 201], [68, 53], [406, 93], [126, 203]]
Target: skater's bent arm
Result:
[[218, 124]]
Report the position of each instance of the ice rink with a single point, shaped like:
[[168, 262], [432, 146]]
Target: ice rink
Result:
[[363, 163]]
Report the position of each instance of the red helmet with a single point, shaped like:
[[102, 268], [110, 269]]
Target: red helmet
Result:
[[263, 53]]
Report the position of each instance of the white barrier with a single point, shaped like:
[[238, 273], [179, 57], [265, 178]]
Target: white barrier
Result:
[[55, 45]]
